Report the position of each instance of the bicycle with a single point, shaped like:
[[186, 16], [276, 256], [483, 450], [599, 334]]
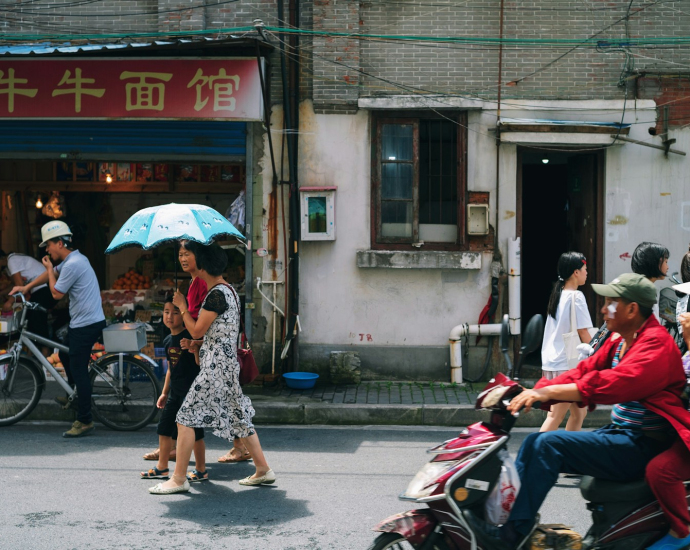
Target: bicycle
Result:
[[124, 387]]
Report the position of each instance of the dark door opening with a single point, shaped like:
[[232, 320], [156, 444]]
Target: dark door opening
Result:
[[560, 208]]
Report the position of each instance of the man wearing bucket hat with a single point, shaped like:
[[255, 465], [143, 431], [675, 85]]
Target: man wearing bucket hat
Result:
[[73, 276], [639, 371]]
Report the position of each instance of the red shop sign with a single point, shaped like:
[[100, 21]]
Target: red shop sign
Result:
[[204, 88]]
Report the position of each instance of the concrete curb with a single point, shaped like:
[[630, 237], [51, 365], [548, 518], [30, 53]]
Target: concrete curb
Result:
[[313, 412]]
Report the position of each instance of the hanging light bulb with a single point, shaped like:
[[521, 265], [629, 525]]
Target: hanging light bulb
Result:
[[108, 177], [545, 158], [39, 202]]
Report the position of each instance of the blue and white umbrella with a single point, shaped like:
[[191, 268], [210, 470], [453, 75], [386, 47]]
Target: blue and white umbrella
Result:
[[158, 225]]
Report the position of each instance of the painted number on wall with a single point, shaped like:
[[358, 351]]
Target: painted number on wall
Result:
[[361, 337]]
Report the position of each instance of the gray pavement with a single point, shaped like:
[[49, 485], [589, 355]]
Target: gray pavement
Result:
[[334, 484], [380, 403]]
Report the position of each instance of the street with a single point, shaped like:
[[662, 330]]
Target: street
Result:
[[333, 485]]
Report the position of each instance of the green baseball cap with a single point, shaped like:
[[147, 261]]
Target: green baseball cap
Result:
[[632, 287]]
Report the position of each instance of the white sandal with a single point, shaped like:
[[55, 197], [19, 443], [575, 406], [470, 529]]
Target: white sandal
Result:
[[159, 490], [266, 479]]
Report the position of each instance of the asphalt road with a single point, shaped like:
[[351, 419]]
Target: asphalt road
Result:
[[334, 484]]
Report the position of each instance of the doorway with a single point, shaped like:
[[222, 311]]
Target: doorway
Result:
[[560, 208]]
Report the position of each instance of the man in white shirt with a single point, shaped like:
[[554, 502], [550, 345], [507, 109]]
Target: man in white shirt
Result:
[[23, 269]]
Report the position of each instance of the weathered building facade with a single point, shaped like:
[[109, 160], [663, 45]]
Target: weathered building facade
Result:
[[414, 111]]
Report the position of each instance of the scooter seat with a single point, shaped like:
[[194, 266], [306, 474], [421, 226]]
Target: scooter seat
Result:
[[604, 490]]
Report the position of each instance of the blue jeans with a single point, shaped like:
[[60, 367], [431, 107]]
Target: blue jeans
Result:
[[607, 453], [80, 342]]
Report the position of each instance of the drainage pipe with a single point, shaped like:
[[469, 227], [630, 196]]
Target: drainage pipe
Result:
[[455, 340], [514, 285]]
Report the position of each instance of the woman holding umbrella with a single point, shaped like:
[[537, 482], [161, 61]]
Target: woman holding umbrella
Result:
[[215, 400]]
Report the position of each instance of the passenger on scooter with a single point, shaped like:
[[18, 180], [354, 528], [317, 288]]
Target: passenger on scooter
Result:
[[667, 472], [639, 371]]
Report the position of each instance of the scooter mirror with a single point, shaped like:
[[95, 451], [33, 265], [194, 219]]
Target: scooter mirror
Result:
[[505, 333], [533, 334]]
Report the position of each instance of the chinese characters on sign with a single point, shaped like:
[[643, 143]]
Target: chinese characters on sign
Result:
[[214, 88]]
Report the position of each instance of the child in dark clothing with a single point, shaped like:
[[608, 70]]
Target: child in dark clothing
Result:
[[182, 370]]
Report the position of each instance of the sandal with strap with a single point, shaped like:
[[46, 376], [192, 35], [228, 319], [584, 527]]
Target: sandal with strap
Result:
[[197, 476], [229, 459], [155, 473], [155, 455]]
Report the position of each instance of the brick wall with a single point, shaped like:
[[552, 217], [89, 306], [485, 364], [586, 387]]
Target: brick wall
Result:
[[672, 94], [140, 16], [394, 67], [336, 61], [336, 71]]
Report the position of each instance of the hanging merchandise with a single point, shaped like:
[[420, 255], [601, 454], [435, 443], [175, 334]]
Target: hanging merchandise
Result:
[[235, 212], [55, 206]]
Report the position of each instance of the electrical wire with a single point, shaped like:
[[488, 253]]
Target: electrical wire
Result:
[[134, 14]]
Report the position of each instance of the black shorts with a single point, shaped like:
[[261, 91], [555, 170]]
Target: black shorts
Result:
[[167, 425]]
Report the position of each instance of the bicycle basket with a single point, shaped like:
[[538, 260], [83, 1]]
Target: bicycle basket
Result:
[[667, 304]]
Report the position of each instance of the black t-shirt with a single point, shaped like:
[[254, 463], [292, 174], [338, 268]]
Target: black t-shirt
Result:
[[182, 365]]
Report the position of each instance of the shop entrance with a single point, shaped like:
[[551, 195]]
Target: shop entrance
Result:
[[560, 208]]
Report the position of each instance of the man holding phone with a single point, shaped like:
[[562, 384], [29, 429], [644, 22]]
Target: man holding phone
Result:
[[73, 276]]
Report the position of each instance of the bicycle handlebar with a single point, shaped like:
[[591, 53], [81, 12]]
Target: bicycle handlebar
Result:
[[29, 305]]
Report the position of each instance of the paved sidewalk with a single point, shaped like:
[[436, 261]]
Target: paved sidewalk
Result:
[[378, 393], [368, 403]]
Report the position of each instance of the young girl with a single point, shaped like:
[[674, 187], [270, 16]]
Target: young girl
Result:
[[572, 273], [181, 373], [196, 293]]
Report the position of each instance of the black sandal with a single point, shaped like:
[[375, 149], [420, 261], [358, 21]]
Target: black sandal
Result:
[[197, 476], [155, 473]]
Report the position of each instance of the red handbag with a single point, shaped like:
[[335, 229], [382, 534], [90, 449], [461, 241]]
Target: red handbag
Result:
[[248, 369]]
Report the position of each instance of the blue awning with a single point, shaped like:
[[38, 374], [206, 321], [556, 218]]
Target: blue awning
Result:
[[81, 47], [133, 140]]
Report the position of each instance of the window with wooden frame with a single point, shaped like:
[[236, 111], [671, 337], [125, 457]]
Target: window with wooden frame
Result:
[[419, 174]]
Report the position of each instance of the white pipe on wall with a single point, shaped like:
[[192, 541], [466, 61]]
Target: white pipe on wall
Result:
[[514, 285], [455, 340]]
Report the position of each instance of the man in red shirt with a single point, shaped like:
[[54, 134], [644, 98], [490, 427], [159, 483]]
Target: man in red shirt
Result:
[[638, 370]]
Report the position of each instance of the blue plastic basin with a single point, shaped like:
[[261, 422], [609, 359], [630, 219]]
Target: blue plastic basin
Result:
[[300, 380]]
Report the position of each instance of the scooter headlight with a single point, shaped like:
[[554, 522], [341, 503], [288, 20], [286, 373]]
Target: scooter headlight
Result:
[[428, 478]]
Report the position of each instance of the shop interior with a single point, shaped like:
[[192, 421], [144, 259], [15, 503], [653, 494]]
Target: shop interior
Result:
[[95, 199]]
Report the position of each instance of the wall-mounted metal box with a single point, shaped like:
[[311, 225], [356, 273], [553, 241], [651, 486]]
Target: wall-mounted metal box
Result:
[[477, 219], [317, 209]]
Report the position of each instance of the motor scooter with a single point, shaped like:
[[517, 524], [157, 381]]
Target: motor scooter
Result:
[[457, 481]]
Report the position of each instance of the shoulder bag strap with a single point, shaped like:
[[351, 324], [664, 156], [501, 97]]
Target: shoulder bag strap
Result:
[[573, 316], [243, 337]]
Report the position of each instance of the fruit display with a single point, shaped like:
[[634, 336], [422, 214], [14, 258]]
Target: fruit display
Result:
[[132, 281], [97, 351], [54, 360]]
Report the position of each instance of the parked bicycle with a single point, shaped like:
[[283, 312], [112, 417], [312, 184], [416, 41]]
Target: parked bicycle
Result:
[[124, 386]]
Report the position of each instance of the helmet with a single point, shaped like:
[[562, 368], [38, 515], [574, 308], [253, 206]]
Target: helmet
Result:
[[52, 230]]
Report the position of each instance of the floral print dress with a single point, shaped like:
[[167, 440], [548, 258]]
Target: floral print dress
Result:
[[215, 399]]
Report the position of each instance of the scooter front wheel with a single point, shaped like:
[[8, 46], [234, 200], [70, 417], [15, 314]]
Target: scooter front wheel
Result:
[[395, 541]]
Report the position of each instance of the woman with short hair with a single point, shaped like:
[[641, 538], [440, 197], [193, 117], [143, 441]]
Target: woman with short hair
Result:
[[215, 399]]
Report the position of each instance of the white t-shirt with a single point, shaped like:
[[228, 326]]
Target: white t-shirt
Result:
[[553, 348], [26, 266]]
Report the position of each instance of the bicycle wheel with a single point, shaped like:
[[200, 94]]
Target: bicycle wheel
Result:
[[123, 398], [20, 390]]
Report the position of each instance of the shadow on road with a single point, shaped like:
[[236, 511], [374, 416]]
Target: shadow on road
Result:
[[244, 506]]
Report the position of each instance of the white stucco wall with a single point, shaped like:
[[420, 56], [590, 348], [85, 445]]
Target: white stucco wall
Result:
[[342, 304]]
